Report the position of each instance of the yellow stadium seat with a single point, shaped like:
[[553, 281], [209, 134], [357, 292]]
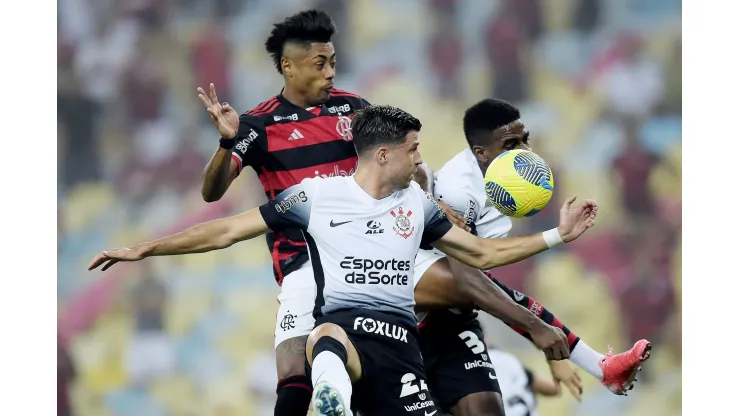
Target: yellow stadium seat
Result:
[[367, 32], [596, 185], [182, 310], [581, 299], [226, 397], [175, 392], [85, 203], [665, 179]]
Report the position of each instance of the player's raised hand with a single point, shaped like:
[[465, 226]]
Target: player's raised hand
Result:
[[574, 221], [110, 257], [453, 216], [222, 115], [566, 373]]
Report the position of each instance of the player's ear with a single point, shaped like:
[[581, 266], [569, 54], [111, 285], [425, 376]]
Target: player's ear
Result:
[[480, 154], [381, 155], [287, 67]]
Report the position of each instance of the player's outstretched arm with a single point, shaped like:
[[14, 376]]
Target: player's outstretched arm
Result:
[[208, 236], [490, 253], [487, 296]]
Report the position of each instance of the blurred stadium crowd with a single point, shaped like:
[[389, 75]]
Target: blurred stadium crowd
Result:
[[599, 85]]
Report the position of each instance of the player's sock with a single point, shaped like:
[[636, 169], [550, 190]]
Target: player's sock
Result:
[[293, 396], [588, 359], [329, 362]]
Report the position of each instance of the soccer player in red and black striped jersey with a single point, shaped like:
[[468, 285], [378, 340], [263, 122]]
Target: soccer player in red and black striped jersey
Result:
[[304, 132]]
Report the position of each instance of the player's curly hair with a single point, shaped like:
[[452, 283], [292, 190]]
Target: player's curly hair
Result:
[[303, 27], [382, 125], [485, 116]]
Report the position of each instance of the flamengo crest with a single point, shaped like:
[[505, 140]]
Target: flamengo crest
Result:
[[402, 225]]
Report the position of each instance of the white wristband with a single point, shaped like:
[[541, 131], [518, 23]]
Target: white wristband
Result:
[[552, 238]]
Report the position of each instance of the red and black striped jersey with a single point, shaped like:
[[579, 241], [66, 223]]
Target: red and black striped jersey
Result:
[[285, 144]]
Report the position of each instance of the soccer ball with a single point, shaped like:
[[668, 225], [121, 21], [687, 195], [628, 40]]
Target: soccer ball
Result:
[[519, 183]]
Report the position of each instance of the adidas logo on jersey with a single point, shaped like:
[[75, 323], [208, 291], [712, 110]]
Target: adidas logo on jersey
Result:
[[381, 328], [295, 135]]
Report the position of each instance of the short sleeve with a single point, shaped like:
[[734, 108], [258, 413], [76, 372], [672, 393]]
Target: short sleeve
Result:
[[246, 150], [436, 223], [459, 198], [530, 377], [290, 208]]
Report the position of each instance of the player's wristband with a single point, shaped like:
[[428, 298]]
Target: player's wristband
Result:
[[227, 143], [552, 238]]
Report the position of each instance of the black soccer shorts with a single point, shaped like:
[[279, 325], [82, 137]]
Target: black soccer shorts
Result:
[[456, 358], [393, 381]]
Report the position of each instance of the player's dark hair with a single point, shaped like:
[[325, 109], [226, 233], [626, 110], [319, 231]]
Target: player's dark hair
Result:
[[382, 125], [485, 116], [304, 28]]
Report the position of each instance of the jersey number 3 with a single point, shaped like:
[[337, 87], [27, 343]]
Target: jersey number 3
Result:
[[473, 342]]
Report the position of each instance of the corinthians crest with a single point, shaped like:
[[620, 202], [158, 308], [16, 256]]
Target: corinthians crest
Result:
[[402, 225]]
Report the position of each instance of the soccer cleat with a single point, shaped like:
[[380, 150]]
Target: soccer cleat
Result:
[[620, 371], [326, 401]]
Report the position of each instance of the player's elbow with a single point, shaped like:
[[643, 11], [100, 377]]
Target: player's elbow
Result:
[[210, 198], [209, 194]]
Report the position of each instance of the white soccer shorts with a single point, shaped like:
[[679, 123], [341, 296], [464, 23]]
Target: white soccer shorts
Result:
[[424, 259], [298, 294]]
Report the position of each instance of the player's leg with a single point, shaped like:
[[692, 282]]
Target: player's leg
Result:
[[294, 322], [482, 403], [458, 369], [294, 386], [383, 361], [335, 365], [616, 372], [460, 373]]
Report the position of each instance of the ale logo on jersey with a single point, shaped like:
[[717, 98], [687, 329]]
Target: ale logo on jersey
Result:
[[372, 326], [373, 227], [344, 128], [402, 225]]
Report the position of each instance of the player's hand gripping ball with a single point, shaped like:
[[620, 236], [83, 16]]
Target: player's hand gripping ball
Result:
[[519, 183]]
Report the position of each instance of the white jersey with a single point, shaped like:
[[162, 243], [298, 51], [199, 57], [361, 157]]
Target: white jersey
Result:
[[362, 249], [460, 185], [516, 384]]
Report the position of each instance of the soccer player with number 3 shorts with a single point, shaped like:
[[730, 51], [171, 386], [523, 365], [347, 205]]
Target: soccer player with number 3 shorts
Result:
[[456, 379]]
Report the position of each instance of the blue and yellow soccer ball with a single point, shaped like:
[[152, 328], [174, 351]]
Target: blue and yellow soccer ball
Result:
[[519, 183]]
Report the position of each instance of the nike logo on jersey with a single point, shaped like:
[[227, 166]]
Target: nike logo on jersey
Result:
[[491, 376], [337, 224], [429, 414], [483, 214]]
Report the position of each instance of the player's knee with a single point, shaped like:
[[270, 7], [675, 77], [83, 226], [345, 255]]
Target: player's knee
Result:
[[330, 332], [291, 357], [480, 404]]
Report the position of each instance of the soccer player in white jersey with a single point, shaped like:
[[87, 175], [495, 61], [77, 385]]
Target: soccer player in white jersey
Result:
[[492, 127], [519, 385], [364, 305]]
